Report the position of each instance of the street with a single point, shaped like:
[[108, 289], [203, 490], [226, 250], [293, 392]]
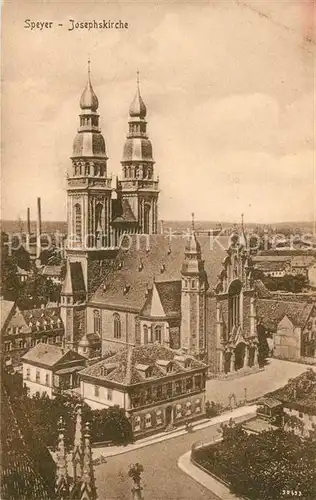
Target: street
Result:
[[163, 480], [275, 375]]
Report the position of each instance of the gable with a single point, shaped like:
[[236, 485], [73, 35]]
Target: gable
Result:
[[16, 320], [285, 324], [156, 309], [7, 310], [68, 357]]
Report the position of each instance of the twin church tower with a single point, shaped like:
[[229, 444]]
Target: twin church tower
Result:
[[98, 214]]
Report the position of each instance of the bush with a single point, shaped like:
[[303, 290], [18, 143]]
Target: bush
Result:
[[43, 413], [213, 409], [261, 466]]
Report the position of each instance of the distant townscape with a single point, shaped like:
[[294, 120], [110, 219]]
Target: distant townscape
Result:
[[120, 330]]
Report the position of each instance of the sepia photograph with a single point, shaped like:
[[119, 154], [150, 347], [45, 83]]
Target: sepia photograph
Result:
[[158, 250]]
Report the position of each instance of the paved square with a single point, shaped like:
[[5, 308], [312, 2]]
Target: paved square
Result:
[[275, 375]]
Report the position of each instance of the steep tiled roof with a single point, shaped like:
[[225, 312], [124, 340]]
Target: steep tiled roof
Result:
[[48, 354], [126, 361], [300, 391], [170, 297], [77, 279], [261, 290], [6, 308], [46, 319], [126, 214], [272, 311], [74, 280], [162, 260]]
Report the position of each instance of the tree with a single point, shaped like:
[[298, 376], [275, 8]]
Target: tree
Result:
[[261, 466], [111, 424], [38, 290], [263, 346], [293, 423]]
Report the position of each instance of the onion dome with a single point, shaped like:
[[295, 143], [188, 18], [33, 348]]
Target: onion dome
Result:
[[137, 108], [89, 141], [89, 99], [137, 146]]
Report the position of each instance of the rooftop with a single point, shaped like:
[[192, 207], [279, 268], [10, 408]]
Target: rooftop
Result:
[[271, 311], [161, 261], [128, 365], [49, 355], [299, 392]]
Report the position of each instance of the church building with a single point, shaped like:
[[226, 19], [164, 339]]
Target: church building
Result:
[[128, 285]]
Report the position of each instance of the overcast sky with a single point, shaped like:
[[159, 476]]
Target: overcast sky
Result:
[[229, 88]]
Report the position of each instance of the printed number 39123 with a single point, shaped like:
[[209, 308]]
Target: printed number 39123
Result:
[[291, 493]]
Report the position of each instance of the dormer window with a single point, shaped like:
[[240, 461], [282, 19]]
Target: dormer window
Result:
[[140, 266], [145, 370], [126, 289], [165, 364], [184, 361], [120, 265]]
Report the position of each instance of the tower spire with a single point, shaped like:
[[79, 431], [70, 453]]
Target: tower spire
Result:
[[77, 455], [62, 485], [192, 221], [88, 489]]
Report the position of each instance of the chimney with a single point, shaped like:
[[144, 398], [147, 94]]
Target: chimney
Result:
[[28, 220], [28, 229], [38, 228]]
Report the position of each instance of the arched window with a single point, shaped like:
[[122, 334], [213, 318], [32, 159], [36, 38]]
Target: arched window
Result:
[[234, 304], [145, 332], [98, 215], [158, 334], [148, 420], [78, 222], [146, 219], [117, 326], [137, 423], [97, 321]]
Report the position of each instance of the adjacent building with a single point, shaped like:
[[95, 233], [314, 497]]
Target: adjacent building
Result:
[[48, 369], [23, 329], [291, 320], [298, 398], [157, 387]]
